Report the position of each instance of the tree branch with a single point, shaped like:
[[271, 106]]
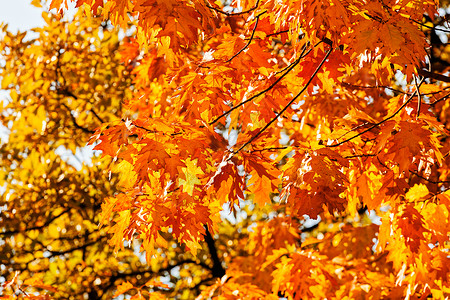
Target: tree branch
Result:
[[287, 69], [382, 121], [287, 106], [432, 75], [279, 32], [440, 99], [233, 14], [430, 181], [373, 87], [11, 232], [430, 27], [250, 40], [74, 121], [419, 96], [217, 269]]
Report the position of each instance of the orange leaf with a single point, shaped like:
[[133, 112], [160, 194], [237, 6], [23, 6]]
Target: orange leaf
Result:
[[123, 288]]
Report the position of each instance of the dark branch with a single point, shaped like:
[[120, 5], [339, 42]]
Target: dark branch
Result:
[[11, 232], [66, 92], [217, 269], [196, 288], [74, 121], [373, 87], [97, 116], [118, 276], [440, 99], [430, 27], [250, 40], [269, 149], [382, 121], [84, 246], [419, 97], [162, 270], [360, 155], [233, 14], [287, 106], [288, 69], [431, 181], [279, 32], [432, 75]]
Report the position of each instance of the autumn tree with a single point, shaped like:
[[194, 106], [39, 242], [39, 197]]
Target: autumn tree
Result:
[[63, 81], [225, 129]]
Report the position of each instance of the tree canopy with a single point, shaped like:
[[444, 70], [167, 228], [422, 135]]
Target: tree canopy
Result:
[[246, 149]]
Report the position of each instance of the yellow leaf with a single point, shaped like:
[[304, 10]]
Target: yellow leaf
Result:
[[276, 254], [283, 154], [429, 88], [326, 81], [123, 220], [7, 80], [190, 172], [417, 192]]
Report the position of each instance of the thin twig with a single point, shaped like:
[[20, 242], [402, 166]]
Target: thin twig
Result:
[[250, 40], [430, 27], [97, 116], [269, 149], [288, 69], [354, 86], [382, 121], [279, 32], [11, 232], [233, 14], [74, 120], [431, 181], [373, 87], [419, 97], [155, 131], [440, 99], [353, 129], [360, 155], [288, 105]]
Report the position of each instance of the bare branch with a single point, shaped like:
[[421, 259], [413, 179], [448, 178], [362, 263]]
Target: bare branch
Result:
[[432, 75], [373, 87], [279, 32], [440, 99], [431, 181]]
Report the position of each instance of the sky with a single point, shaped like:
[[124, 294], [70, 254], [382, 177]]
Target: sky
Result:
[[20, 14]]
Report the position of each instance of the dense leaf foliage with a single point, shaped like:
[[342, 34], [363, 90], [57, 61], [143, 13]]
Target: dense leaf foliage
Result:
[[225, 129]]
